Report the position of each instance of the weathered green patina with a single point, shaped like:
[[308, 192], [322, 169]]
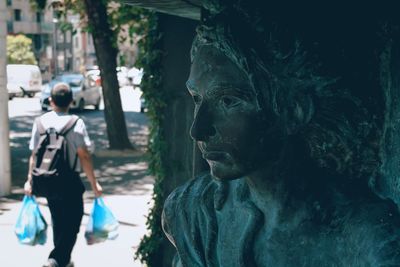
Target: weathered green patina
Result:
[[289, 116], [296, 115]]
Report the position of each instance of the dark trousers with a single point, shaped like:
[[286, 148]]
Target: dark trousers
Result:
[[66, 216]]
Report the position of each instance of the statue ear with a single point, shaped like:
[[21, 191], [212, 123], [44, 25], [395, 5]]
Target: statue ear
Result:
[[299, 112]]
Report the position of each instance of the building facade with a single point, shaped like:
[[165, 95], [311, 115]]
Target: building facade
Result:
[[52, 46], [22, 18], [84, 54]]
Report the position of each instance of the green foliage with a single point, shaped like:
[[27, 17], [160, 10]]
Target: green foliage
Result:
[[19, 50], [129, 23], [149, 251], [122, 60], [38, 4], [126, 21], [65, 26], [76, 7]]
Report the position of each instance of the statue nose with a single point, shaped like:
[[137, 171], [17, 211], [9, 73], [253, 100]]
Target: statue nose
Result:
[[202, 128]]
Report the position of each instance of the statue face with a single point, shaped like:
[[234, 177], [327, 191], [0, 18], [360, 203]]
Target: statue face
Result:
[[227, 122]]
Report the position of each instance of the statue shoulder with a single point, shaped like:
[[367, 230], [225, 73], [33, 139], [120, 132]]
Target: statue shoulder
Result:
[[386, 221], [374, 229], [184, 200], [189, 191]]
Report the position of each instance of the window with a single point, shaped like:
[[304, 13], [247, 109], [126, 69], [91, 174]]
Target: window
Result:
[[9, 2], [60, 36], [68, 36], [37, 42], [10, 27], [76, 42], [17, 14], [46, 38], [38, 17]]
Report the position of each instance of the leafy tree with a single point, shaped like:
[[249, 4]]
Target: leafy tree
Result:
[[105, 19], [94, 14], [19, 50], [106, 53]]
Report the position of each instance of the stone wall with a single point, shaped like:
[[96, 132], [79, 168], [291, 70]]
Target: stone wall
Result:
[[178, 34]]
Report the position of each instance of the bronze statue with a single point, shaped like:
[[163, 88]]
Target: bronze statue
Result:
[[284, 146]]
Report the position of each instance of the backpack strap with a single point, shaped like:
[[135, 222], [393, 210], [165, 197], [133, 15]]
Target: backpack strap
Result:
[[70, 124], [40, 126]]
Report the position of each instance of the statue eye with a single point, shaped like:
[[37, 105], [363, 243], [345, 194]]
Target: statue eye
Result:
[[230, 101]]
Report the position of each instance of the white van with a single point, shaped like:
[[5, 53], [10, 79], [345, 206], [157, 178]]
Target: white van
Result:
[[26, 77]]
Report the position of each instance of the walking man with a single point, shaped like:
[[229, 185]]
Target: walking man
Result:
[[65, 202]]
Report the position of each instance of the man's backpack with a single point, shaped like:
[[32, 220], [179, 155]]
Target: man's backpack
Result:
[[51, 161]]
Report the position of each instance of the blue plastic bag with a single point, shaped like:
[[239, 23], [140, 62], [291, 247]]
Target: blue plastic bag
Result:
[[102, 224], [31, 227]]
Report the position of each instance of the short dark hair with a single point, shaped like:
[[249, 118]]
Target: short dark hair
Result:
[[61, 95]]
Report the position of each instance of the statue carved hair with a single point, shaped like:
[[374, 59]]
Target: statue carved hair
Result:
[[335, 127]]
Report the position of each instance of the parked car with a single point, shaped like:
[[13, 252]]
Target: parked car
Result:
[[122, 75], [84, 90], [135, 76], [13, 91], [95, 75], [24, 76]]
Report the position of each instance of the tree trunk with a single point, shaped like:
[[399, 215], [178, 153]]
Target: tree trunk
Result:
[[106, 54], [5, 164]]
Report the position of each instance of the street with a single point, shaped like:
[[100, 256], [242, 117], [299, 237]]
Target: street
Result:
[[123, 176], [20, 106]]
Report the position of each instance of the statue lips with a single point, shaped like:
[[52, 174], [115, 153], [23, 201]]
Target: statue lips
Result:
[[215, 155], [212, 152]]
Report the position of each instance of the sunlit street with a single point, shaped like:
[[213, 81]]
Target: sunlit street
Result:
[[124, 177], [24, 106]]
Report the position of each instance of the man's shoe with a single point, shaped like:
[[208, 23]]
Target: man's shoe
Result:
[[51, 263]]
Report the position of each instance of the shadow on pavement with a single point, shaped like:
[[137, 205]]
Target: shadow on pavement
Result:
[[123, 175]]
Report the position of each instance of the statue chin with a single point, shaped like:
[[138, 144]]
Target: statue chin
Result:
[[226, 171]]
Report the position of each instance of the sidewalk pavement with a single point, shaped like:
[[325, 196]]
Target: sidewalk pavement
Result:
[[128, 209], [127, 191]]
